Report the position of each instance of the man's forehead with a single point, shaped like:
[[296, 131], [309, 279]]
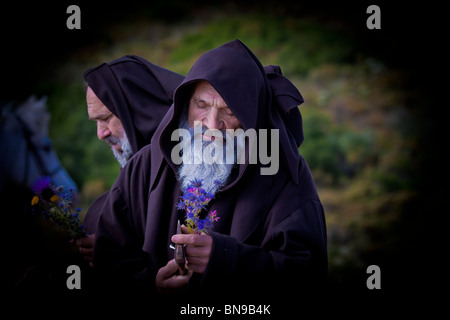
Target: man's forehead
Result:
[[96, 108], [205, 88], [98, 111]]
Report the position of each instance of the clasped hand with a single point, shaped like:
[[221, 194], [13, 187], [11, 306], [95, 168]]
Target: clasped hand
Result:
[[198, 252], [86, 247]]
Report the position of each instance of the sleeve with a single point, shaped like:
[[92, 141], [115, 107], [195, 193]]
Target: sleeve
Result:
[[293, 253], [92, 215], [119, 260]]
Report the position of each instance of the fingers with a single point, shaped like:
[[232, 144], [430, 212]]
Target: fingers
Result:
[[168, 270], [168, 281], [192, 239], [196, 264], [184, 229], [196, 245], [87, 241], [198, 250], [87, 253], [86, 247]]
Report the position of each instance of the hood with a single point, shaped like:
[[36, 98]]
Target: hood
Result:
[[136, 91], [260, 97]]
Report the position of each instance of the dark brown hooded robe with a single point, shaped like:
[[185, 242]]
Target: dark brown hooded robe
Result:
[[137, 92], [271, 235]]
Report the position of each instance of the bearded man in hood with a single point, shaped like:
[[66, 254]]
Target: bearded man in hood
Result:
[[271, 234], [127, 98]]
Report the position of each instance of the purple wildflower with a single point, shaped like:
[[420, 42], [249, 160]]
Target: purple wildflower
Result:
[[201, 224], [55, 205], [40, 184], [196, 183], [194, 201], [181, 205]]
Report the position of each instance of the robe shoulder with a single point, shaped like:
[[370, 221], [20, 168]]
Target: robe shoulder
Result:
[[128, 197], [137, 171], [137, 166]]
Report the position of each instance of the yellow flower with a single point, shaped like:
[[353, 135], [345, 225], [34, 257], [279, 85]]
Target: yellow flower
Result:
[[35, 200], [190, 229], [54, 198]]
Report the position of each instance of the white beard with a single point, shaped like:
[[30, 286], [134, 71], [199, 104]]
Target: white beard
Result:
[[126, 153], [213, 175]]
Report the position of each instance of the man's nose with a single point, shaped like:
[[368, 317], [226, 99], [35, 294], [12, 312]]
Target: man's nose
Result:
[[213, 121], [102, 131]]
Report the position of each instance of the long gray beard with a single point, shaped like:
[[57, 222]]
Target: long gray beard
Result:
[[213, 176]]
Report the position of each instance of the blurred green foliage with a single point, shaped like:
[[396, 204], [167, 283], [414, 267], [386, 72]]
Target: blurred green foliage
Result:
[[359, 135], [297, 45]]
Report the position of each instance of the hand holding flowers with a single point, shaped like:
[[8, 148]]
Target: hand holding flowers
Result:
[[54, 204], [194, 238], [198, 249]]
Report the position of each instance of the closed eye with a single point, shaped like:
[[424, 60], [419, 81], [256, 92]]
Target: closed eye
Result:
[[228, 112], [103, 118], [201, 104], [107, 118]]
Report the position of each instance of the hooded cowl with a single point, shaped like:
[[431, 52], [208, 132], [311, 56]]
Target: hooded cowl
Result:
[[136, 91], [260, 97]]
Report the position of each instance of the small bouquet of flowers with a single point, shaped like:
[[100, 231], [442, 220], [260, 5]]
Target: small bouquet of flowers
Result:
[[54, 204], [194, 201]]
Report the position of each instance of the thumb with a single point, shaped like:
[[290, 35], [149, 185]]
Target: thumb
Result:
[[169, 269]]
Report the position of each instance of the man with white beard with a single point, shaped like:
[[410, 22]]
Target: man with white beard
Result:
[[271, 235], [127, 98], [109, 128], [210, 159]]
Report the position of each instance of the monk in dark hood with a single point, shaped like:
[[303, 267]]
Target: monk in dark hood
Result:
[[137, 92], [271, 234], [127, 97]]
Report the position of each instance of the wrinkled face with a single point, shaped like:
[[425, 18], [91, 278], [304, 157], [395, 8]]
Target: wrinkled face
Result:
[[207, 105], [213, 159], [109, 127]]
